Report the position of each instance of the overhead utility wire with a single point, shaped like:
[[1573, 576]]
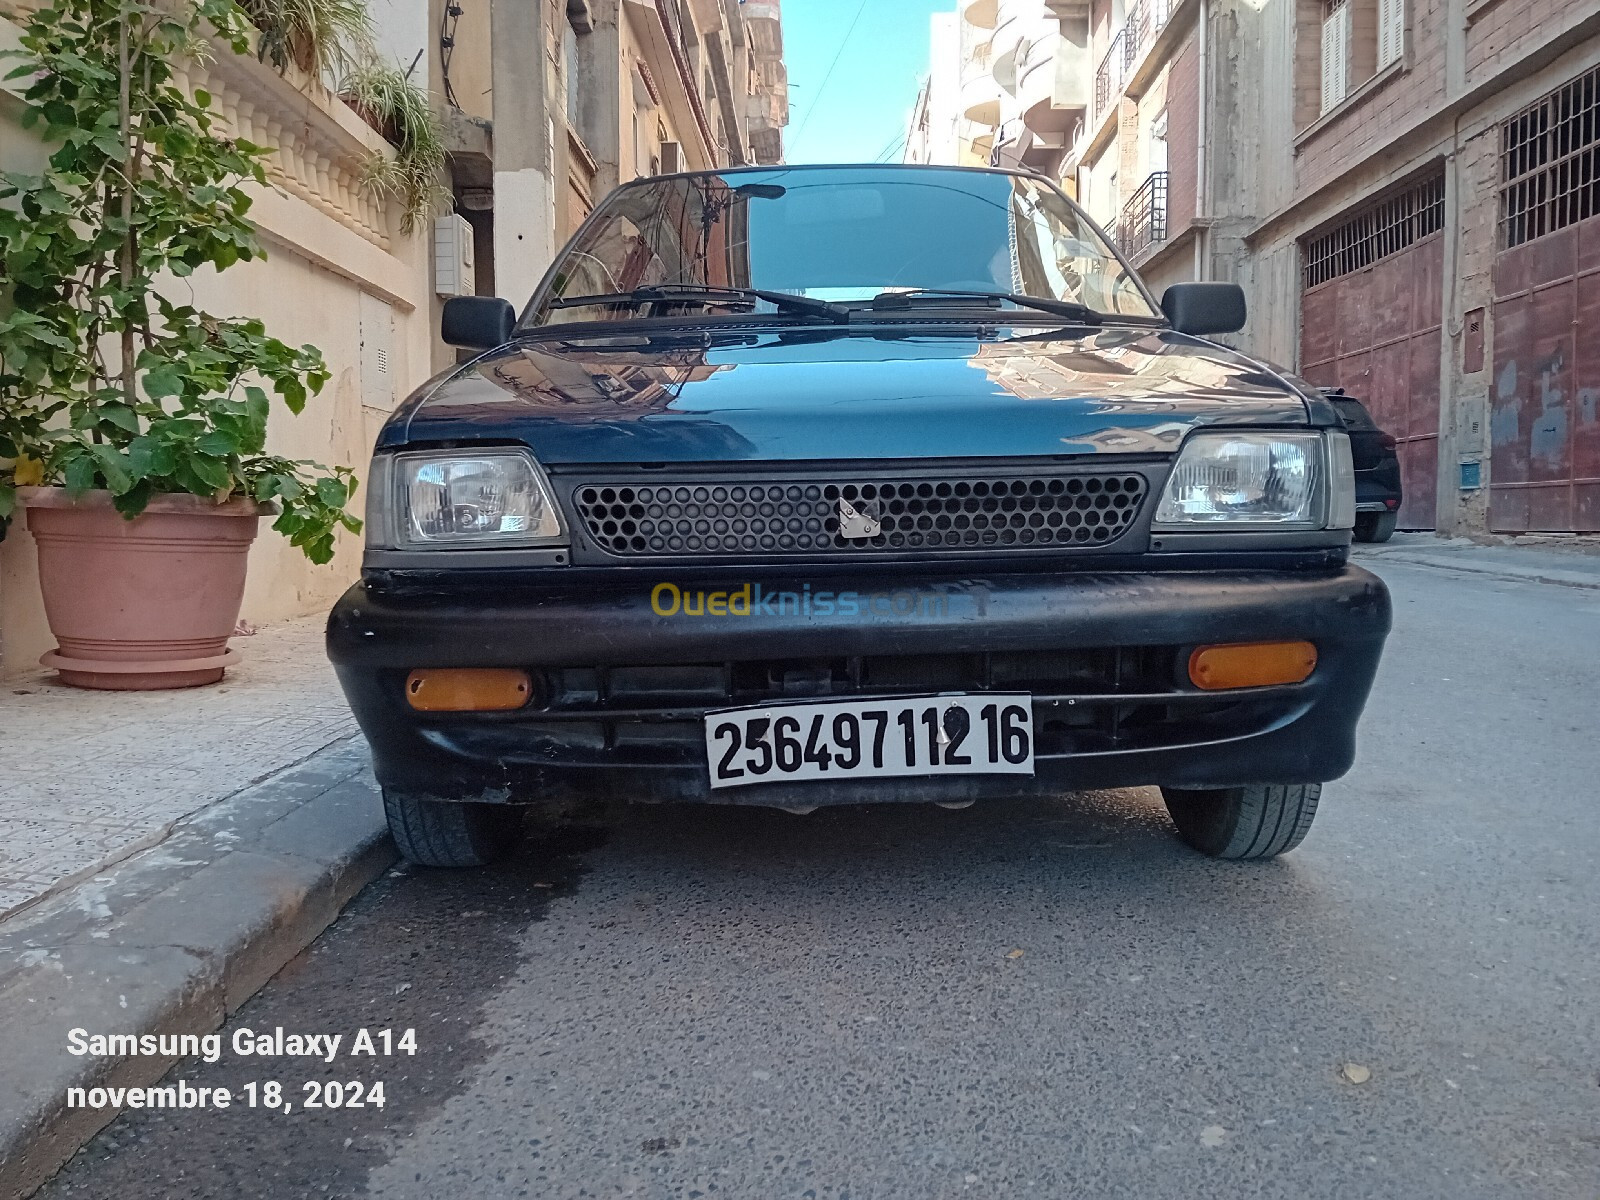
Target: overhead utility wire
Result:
[[817, 99]]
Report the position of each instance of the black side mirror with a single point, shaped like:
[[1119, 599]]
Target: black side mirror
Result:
[[477, 322], [1202, 308]]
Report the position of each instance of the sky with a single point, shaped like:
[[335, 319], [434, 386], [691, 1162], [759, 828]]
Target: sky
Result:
[[858, 114]]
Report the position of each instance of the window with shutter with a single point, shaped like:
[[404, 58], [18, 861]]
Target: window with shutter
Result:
[[1391, 31], [1335, 53]]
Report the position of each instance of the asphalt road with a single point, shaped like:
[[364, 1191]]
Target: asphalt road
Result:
[[747, 1004]]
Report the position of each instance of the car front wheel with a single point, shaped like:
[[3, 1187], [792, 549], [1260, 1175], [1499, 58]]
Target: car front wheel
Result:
[[442, 833], [1258, 821]]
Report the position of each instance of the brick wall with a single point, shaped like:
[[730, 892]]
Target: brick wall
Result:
[[1129, 174], [1307, 62], [1501, 31], [1348, 133], [1183, 137], [1099, 31]]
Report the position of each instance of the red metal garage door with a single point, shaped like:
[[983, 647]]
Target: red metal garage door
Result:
[[1545, 424], [1370, 322]]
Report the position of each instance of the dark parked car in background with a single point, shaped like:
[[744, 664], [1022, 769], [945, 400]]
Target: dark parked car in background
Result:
[[1377, 468], [804, 486]]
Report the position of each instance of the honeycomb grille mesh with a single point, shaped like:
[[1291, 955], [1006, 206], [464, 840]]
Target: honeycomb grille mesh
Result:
[[796, 517]]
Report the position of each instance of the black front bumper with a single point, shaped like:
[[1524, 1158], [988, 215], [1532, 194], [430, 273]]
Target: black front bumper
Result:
[[621, 690]]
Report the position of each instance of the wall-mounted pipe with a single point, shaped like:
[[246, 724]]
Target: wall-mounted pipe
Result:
[[1202, 174]]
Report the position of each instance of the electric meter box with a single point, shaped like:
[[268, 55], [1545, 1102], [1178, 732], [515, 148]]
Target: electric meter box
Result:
[[453, 273]]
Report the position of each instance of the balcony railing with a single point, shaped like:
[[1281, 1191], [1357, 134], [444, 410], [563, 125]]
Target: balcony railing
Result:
[[1143, 223], [1113, 73], [1146, 19], [672, 18]]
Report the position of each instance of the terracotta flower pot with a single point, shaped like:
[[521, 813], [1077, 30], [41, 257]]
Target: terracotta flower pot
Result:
[[143, 604]]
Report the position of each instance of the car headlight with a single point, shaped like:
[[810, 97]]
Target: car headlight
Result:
[[1269, 480], [462, 498]]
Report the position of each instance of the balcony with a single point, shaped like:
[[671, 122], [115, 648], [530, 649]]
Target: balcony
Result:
[[1036, 76], [1146, 19], [1008, 40], [1111, 75], [1143, 223], [763, 21], [980, 94], [981, 13]]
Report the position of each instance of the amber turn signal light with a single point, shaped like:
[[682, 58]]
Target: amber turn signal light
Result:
[[468, 690], [1252, 664]]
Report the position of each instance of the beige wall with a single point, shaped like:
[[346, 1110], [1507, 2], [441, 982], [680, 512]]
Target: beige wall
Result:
[[652, 121], [327, 245], [470, 60]]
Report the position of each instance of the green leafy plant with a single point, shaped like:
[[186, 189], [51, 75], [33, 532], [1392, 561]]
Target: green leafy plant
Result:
[[105, 381], [324, 38], [401, 111]]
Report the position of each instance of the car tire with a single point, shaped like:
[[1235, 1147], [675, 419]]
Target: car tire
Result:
[[1258, 821], [1375, 527], [443, 833]]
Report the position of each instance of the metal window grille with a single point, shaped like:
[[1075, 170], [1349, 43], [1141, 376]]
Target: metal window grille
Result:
[[1380, 229], [1550, 162]]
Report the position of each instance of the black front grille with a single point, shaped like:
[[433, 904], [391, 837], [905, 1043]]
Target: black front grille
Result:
[[717, 517]]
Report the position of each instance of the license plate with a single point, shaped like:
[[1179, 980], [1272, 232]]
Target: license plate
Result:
[[863, 739]]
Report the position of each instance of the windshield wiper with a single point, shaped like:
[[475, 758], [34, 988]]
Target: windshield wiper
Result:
[[689, 292], [1061, 308]]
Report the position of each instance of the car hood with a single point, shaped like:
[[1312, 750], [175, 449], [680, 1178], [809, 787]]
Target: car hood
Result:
[[804, 393]]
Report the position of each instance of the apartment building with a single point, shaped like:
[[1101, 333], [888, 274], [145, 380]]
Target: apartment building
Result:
[[1409, 191], [1136, 157], [1006, 85]]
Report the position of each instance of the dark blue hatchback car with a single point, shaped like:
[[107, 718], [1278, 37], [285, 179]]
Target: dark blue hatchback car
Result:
[[803, 486]]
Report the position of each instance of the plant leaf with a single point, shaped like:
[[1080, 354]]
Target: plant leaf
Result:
[[28, 472], [218, 444], [332, 493], [79, 475]]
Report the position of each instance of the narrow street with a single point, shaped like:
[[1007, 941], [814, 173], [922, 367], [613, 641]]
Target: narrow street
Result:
[[747, 1004]]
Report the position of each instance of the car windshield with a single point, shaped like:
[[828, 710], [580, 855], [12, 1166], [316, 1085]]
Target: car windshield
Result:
[[840, 234]]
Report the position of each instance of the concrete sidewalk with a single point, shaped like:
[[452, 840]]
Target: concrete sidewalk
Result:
[[1576, 566], [87, 778], [162, 855]]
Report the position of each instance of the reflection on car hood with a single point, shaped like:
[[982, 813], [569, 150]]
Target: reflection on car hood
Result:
[[807, 394]]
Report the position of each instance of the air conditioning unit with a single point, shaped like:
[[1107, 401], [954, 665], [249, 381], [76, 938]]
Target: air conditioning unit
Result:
[[453, 273], [671, 157]]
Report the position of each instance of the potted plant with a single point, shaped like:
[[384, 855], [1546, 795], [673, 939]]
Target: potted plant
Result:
[[133, 426], [386, 99], [322, 38]]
